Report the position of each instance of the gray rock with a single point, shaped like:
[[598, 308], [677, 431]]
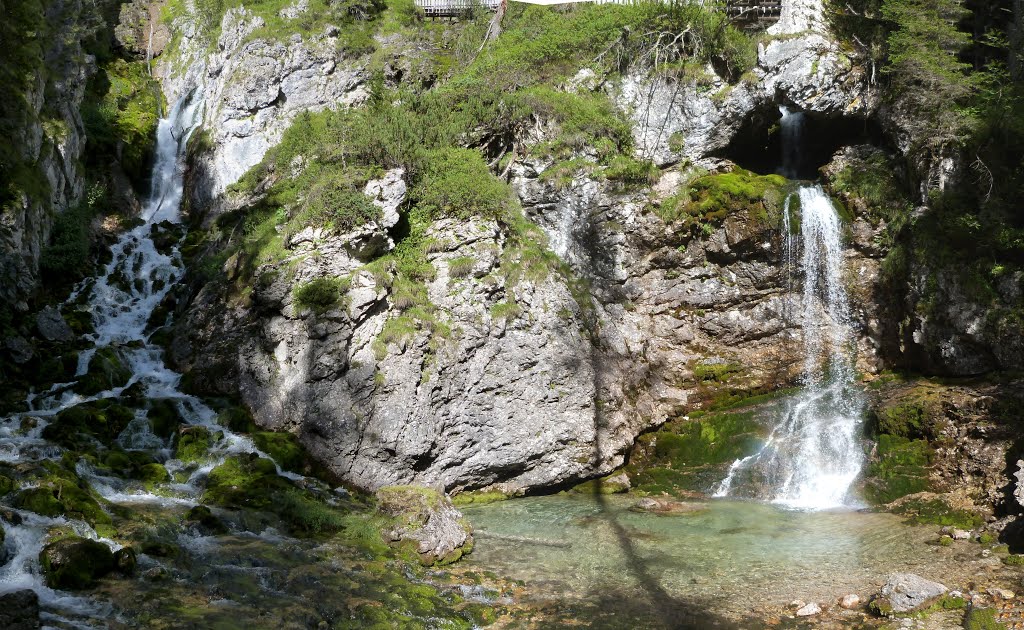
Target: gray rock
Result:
[[427, 519], [808, 610], [905, 592], [51, 325], [1018, 486], [19, 610], [19, 349]]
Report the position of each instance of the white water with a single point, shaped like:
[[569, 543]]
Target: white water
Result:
[[812, 457], [122, 300]]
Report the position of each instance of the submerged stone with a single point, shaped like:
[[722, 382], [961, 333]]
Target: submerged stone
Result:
[[75, 563], [19, 610]]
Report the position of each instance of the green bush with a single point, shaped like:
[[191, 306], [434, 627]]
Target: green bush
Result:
[[457, 183], [320, 294]]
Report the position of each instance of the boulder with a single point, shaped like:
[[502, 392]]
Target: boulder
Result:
[[18, 349], [19, 610], [905, 592], [75, 563], [51, 325], [849, 601], [426, 521]]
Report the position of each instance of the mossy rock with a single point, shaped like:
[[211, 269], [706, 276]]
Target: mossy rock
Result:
[[107, 370], [152, 474], [289, 453], [238, 419], [478, 497], [203, 517], [73, 563], [252, 482], [7, 485], [936, 511], [194, 443], [79, 428], [57, 496], [164, 418], [901, 468], [59, 369], [982, 619], [693, 455]]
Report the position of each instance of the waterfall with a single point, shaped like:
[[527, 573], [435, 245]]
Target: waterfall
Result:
[[813, 456]]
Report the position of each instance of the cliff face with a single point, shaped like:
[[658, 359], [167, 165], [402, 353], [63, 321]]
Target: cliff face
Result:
[[44, 130], [523, 378]]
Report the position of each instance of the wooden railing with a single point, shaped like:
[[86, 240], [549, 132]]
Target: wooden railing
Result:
[[737, 10]]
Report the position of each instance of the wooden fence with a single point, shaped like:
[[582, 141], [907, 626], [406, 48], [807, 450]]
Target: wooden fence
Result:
[[737, 10]]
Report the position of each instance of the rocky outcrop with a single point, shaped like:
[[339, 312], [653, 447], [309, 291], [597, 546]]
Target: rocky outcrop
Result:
[[427, 520], [19, 610], [252, 88], [799, 65], [49, 135], [906, 592]]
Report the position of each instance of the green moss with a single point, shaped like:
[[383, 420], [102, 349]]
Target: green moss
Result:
[[981, 619], [75, 563], [478, 497], [905, 420], [505, 311], [693, 455], [164, 417], [987, 538], [289, 453], [719, 372], [461, 266], [237, 419], [154, 473], [60, 492], [1014, 560], [901, 468], [938, 512], [709, 199], [204, 517], [194, 443], [83, 426], [107, 370]]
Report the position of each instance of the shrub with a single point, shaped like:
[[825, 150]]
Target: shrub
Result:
[[320, 294], [461, 266], [457, 183]]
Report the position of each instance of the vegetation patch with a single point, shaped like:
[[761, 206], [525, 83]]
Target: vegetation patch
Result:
[[321, 294], [901, 468], [707, 200], [693, 455], [938, 512]]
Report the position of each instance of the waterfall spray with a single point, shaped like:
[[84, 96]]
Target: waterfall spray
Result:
[[813, 456]]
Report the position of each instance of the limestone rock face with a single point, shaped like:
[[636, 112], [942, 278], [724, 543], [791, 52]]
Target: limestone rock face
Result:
[[427, 519], [799, 65], [54, 149], [905, 592], [253, 88]]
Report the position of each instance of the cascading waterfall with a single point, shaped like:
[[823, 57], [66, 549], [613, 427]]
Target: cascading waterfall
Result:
[[813, 456], [122, 300]]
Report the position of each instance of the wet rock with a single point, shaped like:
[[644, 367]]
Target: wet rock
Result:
[[904, 592], [106, 371], [125, 560], [808, 610], [666, 506], [849, 601], [427, 521], [203, 519], [18, 349], [19, 610], [75, 563], [51, 325]]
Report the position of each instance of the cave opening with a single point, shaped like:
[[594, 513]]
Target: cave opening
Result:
[[758, 145]]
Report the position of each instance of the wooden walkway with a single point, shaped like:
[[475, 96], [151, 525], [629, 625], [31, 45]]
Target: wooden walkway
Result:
[[745, 11]]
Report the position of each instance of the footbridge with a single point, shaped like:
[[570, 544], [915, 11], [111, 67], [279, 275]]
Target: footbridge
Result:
[[741, 11]]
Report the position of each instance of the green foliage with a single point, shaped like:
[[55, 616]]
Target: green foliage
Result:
[[707, 200], [67, 254], [630, 171], [461, 266], [121, 113], [194, 444], [457, 183], [901, 469], [938, 512], [320, 294], [719, 372], [982, 619]]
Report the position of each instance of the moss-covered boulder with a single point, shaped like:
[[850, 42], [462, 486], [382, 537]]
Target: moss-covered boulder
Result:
[[202, 518], [81, 427], [60, 492], [75, 563], [251, 482], [194, 443], [426, 523], [107, 370], [163, 417]]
